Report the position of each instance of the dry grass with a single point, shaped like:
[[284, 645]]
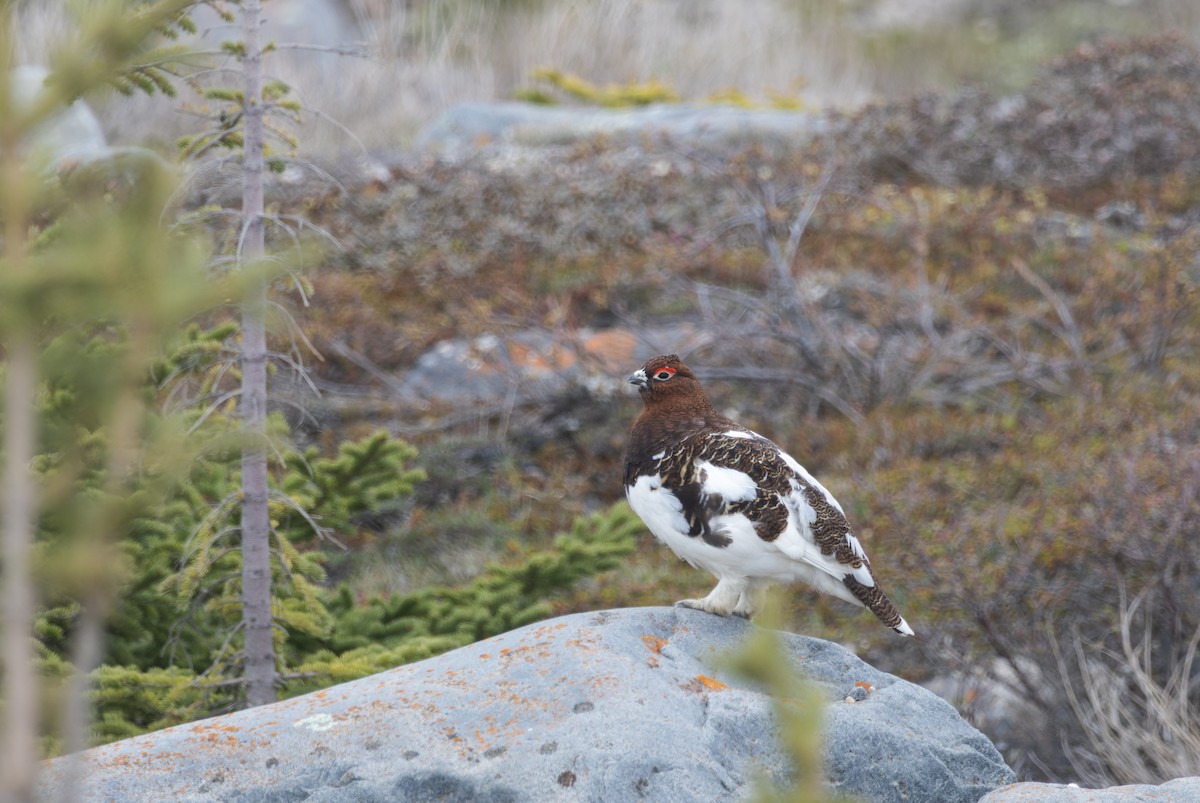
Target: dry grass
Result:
[[1142, 725], [434, 55], [427, 56]]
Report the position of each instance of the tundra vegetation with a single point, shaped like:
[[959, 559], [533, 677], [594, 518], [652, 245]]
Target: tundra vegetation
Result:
[[972, 314]]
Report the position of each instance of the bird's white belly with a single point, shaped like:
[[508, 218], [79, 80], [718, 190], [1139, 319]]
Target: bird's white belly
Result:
[[747, 556]]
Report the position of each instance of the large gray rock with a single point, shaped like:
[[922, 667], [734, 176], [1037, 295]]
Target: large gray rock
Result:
[[469, 125], [539, 362], [70, 144], [606, 706], [1180, 790], [70, 134]]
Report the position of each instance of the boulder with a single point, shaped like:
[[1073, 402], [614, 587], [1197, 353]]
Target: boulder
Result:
[[71, 134], [70, 145], [615, 705], [1180, 790], [539, 362], [470, 125]]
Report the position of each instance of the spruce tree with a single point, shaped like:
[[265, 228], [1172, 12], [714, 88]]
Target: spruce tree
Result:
[[134, 495], [50, 282]]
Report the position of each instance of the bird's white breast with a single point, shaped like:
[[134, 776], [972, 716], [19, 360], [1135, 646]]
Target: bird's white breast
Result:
[[657, 507]]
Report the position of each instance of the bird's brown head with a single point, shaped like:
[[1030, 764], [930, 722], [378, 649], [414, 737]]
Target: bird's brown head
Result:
[[664, 381]]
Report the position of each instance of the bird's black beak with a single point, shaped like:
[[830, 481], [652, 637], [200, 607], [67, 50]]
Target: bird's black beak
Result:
[[639, 378]]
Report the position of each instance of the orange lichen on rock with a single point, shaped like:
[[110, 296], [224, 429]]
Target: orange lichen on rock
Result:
[[654, 644], [703, 683]]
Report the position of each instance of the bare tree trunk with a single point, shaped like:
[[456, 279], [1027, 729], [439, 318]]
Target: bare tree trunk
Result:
[[19, 755], [259, 652], [98, 543]]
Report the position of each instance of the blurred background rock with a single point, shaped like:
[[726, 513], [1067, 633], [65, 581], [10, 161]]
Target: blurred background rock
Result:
[[426, 56]]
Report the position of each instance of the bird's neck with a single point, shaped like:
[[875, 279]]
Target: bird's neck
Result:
[[667, 421]]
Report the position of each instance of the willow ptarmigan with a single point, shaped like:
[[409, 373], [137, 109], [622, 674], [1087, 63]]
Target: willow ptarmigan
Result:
[[730, 501]]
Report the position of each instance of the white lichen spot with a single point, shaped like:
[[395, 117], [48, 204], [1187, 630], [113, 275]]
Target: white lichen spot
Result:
[[316, 722]]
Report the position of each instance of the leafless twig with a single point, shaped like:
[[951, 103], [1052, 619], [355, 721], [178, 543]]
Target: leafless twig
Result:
[[1140, 729]]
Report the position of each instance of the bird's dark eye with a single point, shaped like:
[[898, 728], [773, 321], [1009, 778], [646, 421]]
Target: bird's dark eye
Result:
[[663, 374]]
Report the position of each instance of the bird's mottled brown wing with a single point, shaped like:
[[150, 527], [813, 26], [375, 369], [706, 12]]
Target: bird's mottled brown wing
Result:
[[779, 481]]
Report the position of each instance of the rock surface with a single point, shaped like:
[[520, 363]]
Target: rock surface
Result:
[[1180, 790], [70, 144], [539, 362], [73, 133], [469, 125], [616, 705]]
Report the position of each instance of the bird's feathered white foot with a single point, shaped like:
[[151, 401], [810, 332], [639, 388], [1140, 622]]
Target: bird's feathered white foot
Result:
[[699, 605], [723, 600], [748, 602]]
